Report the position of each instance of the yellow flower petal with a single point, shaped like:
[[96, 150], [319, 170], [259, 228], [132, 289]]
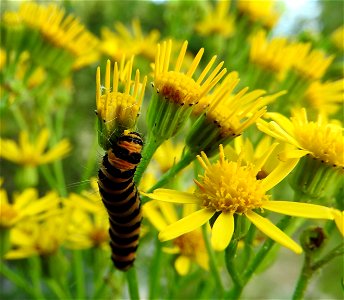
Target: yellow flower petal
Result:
[[273, 232], [339, 219], [285, 155], [172, 196], [169, 250], [279, 173], [150, 212], [57, 152], [24, 198], [42, 140], [222, 231], [186, 224], [168, 212], [182, 265], [297, 209], [20, 253], [202, 259]]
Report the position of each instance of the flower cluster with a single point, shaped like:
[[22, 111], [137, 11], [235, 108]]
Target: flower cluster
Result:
[[217, 142]]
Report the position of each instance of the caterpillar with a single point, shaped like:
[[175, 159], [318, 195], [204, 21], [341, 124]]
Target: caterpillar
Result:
[[120, 197]]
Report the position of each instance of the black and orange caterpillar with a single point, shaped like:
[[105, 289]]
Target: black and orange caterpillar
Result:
[[121, 198]]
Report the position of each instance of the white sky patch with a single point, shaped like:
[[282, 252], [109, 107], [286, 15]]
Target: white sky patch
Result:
[[296, 10]]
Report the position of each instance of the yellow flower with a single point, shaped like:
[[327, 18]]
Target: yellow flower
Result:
[[230, 188], [2, 59], [32, 154], [337, 37], [25, 205], [217, 20], [118, 106], [88, 226], [321, 139], [38, 238], [167, 155], [262, 11], [311, 64], [275, 55], [189, 247], [177, 86], [224, 115], [265, 153], [327, 97], [58, 29], [127, 42]]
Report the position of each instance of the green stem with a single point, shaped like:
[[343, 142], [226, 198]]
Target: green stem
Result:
[[248, 251], [309, 269], [155, 271], [48, 176], [147, 153], [132, 284], [36, 275], [19, 281], [306, 274], [336, 251], [79, 274], [187, 158], [264, 250], [230, 254], [18, 116], [212, 262], [90, 165], [57, 289], [61, 184]]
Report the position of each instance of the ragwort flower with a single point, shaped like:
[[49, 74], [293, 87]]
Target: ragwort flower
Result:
[[228, 189], [177, 91], [319, 143], [263, 11], [217, 21], [38, 238], [129, 42], [189, 247], [25, 205], [61, 31], [88, 226], [326, 97], [31, 154], [118, 106]]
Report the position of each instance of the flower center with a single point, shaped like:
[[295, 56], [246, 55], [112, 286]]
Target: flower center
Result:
[[190, 243], [178, 87], [229, 187], [99, 236], [325, 141], [119, 108], [7, 215]]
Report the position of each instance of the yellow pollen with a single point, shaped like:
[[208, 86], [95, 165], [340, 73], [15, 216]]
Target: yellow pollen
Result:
[[324, 140], [229, 187], [178, 88]]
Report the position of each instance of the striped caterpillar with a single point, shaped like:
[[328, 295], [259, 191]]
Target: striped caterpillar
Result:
[[120, 197]]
